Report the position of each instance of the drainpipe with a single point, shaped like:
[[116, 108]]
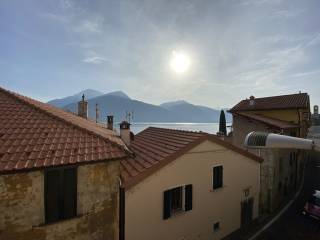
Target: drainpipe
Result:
[[121, 211]]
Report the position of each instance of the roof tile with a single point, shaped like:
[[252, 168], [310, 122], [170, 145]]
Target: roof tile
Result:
[[153, 147], [299, 100], [37, 135]]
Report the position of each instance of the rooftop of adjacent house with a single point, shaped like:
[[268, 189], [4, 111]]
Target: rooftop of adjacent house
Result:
[[37, 135], [299, 100], [280, 124], [155, 147]]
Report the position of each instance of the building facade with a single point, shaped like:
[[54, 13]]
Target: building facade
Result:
[[59, 173], [281, 171], [315, 117], [187, 185]]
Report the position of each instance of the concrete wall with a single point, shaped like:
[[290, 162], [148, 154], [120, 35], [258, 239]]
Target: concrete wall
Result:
[[22, 206], [144, 201]]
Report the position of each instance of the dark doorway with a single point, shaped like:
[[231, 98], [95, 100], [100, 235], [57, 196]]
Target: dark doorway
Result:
[[246, 212]]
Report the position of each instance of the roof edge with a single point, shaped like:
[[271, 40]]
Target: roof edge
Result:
[[135, 180]]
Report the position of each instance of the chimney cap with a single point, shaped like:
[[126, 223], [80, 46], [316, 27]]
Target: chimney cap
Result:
[[251, 97], [125, 125]]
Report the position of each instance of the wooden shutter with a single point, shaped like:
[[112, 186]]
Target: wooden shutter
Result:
[[220, 176], [166, 204], [188, 197], [69, 193], [52, 196]]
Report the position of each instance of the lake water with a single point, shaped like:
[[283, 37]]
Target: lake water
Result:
[[204, 127]]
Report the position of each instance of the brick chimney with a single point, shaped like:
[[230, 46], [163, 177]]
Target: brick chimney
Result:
[[110, 122], [83, 108], [125, 132]]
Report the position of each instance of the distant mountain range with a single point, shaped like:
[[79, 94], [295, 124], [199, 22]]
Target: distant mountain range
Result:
[[118, 103], [89, 93]]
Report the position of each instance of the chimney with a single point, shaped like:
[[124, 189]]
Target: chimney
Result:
[[83, 108], [110, 122], [125, 132], [251, 101], [316, 110], [97, 112]]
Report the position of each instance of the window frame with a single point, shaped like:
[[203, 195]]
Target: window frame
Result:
[[61, 195], [185, 201], [214, 186]]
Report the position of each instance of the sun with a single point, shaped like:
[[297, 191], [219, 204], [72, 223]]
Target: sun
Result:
[[180, 62]]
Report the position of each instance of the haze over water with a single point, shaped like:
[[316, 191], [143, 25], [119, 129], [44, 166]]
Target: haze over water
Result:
[[204, 127]]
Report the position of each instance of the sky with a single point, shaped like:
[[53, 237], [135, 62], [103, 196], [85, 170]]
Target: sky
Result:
[[237, 48]]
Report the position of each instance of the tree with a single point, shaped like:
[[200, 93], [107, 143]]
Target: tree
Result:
[[222, 123]]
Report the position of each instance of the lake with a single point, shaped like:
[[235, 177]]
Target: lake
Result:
[[204, 127]]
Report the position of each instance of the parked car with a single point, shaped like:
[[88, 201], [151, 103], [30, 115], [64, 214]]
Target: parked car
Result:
[[312, 206]]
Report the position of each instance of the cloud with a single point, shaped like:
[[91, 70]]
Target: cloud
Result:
[[93, 58], [287, 13], [55, 17], [90, 25], [271, 70], [259, 2], [314, 40]]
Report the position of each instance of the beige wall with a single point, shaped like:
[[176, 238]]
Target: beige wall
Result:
[[22, 206], [144, 202], [282, 114]]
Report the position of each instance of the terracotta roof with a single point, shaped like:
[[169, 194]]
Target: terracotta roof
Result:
[[37, 135], [156, 147], [300, 100], [269, 121]]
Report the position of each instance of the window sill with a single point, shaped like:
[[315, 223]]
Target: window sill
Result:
[[218, 189], [177, 214], [59, 221]]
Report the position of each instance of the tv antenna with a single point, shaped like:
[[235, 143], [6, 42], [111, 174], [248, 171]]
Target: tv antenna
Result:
[[129, 116]]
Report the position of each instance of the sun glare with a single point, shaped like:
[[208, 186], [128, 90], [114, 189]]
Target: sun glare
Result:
[[180, 62]]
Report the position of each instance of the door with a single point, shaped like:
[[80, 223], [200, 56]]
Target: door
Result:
[[246, 211]]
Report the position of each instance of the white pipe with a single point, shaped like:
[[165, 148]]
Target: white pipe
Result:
[[283, 141], [271, 140]]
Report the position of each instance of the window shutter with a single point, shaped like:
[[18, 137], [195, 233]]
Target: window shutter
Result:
[[220, 176], [188, 197], [215, 178], [69, 193], [52, 201], [166, 204]]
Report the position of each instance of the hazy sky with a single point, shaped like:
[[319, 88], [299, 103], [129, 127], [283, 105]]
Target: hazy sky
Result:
[[238, 48]]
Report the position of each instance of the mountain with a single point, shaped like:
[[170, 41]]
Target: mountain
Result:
[[118, 103], [89, 93], [110, 104], [118, 94], [194, 113]]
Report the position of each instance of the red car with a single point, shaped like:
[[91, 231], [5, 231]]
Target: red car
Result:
[[312, 206]]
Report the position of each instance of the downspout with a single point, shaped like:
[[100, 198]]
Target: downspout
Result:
[[121, 210], [299, 121]]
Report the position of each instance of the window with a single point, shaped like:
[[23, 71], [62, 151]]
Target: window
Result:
[[216, 226], [217, 177], [176, 200], [176, 205], [60, 194]]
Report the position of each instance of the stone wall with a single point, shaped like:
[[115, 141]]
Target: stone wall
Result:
[[277, 173], [22, 206]]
